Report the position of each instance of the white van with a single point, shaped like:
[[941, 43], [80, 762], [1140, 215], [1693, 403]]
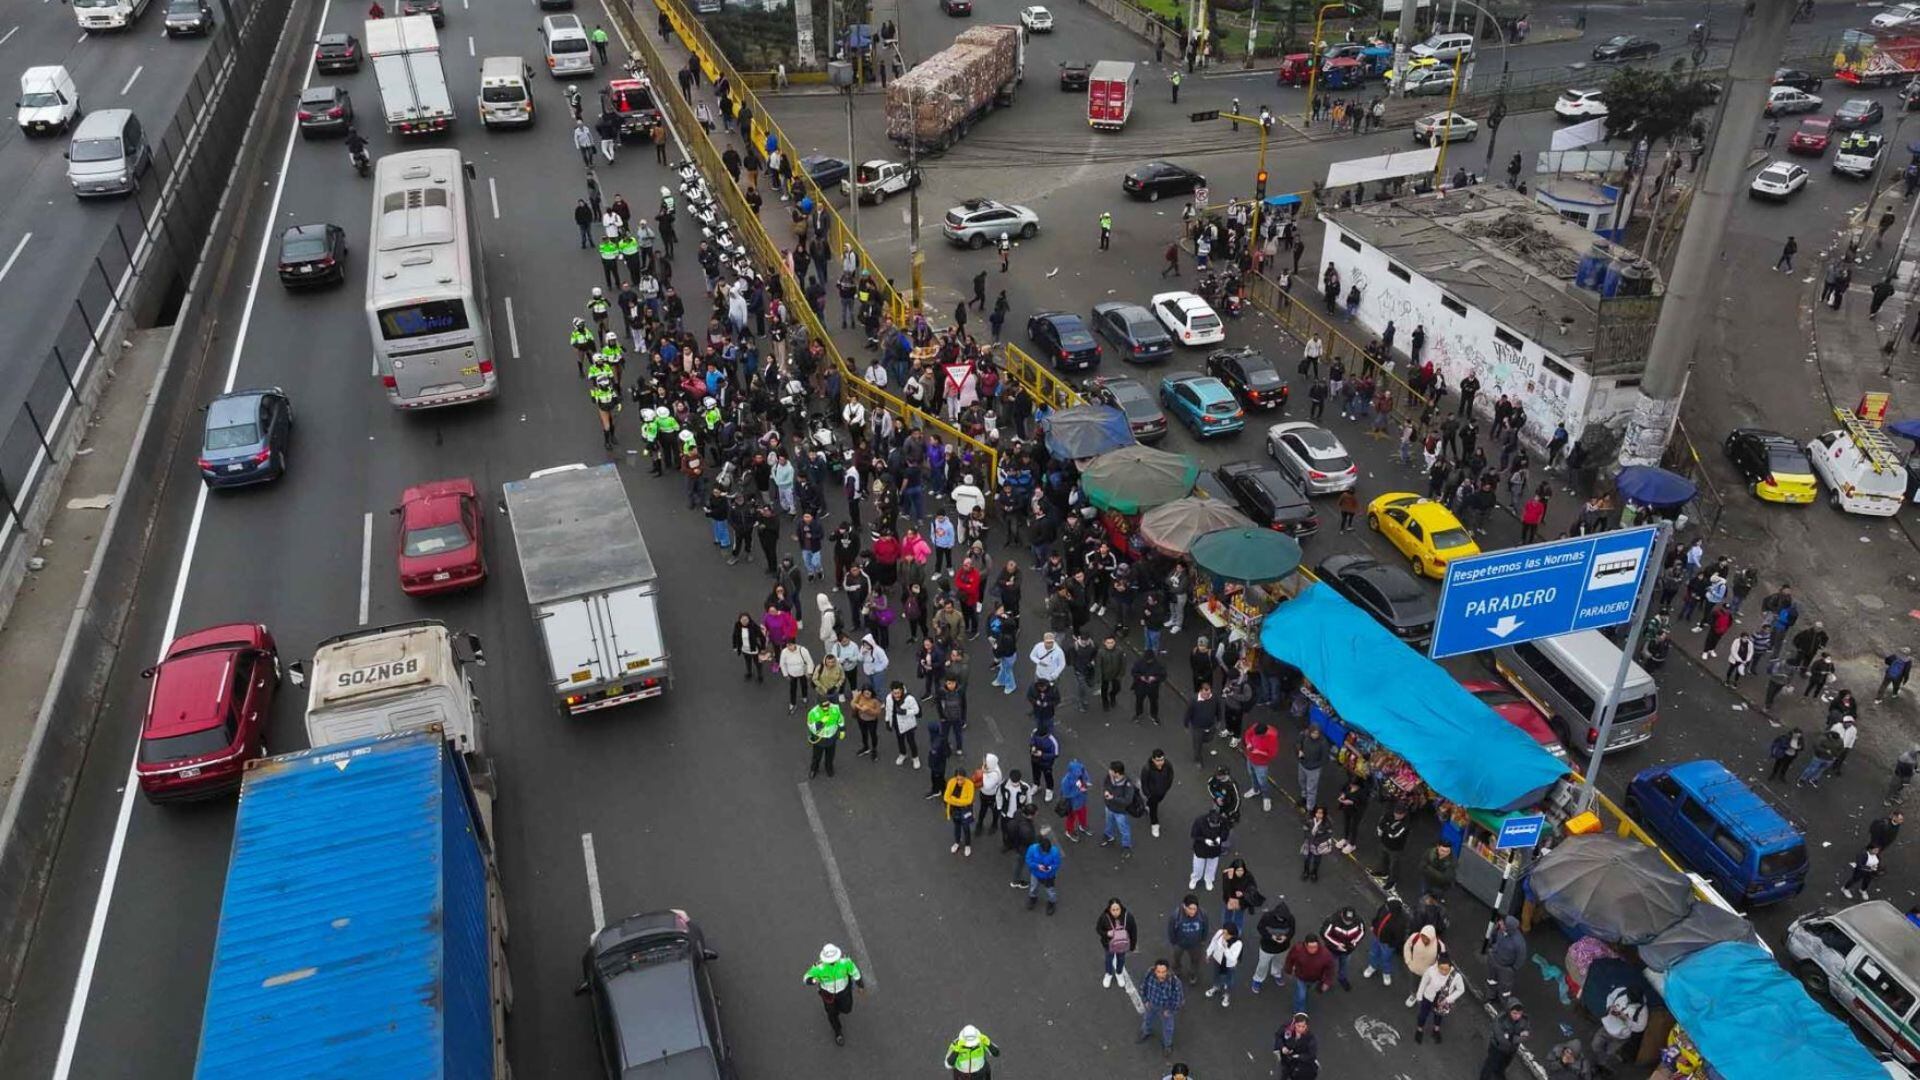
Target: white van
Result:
[[1568, 678], [569, 51], [1445, 47], [1861, 468], [49, 101], [506, 91], [108, 155]]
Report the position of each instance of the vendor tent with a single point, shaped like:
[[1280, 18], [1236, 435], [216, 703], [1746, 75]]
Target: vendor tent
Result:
[[1086, 431], [1174, 527], [1249, 554], [1614, 888], [1462, 749], [1654, 486], [1753, 1021], [1136, 478], [1705, 925]]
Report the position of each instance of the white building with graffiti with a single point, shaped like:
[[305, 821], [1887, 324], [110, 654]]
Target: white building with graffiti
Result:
[[1536, 307]]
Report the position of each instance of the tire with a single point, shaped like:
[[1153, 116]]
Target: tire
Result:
[[879, 196], [1028, 231], [1419, 569], [1153, 195], [1814, 978], [1833, 500], [1373, 522], [976, 242]]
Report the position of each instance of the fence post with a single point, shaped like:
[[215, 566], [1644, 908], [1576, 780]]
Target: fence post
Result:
[[27, 407], [64, 373]]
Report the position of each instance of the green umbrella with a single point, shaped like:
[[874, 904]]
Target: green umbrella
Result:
[[1247, 555], [1174, 527], [1136, 478]]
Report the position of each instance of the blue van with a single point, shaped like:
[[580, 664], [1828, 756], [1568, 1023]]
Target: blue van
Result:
[[1713, 822]]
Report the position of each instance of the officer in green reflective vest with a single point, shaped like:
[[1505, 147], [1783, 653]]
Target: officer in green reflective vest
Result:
[[604, 387], [650, 434], [630, 251], [598, 305], [610, 261], [669, 437], [834, 977], [613, 355], [581, 339], [1106, 229], [825, 728], [967, 1055], [599, 39], [710, 414]]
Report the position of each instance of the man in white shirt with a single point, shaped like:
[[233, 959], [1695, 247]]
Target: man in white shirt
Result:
[[967, 497], [1049, 659]]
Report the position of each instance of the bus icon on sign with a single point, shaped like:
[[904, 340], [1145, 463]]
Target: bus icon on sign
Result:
[[1614, 569]]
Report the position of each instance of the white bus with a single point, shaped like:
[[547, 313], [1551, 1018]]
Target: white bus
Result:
[[427, 304]]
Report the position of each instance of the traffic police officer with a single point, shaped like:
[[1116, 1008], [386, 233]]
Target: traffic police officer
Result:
[[604, 387], [582, 341], [834, 977], [630, 251], [613, 355], [650, 434], [669, 436], [825, 728], [610, 259], [1006, 248], [710, 414], [967, 1055], [1106, 229], [597, 305]]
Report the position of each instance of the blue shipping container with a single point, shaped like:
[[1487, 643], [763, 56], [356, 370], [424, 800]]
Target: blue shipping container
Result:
[[354, 934]]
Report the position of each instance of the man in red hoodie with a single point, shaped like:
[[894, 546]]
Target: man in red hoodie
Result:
[[1262, 742], [966, 582]]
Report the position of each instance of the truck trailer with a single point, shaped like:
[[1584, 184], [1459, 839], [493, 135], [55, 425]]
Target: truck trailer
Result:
[[406, 61], [938, 101], [362, 930], [1110, 95], [592, 586]]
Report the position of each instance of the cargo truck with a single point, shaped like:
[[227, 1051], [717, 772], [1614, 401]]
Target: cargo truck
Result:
[[385, 680], [1110, 95], [362, 930], [406, 61], [592, 586], [1877, 58], [938, 101]]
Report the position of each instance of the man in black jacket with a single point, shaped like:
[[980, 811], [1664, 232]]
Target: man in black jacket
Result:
[[950, 706], [1019, 835], [1509, 1032], [1276, 928], [1392, 832], [1201, 714], [1297, 1050]]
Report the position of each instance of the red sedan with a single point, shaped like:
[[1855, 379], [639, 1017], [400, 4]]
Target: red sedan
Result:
[[440, 538], [1812, 137], [207, 712], [1518, 711]]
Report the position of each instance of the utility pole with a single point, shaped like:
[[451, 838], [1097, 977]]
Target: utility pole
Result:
[[1692, 292], [913, 191], [1403, 41]]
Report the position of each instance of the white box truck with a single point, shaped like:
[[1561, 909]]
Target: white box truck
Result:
[[592, 586], [406, 61]]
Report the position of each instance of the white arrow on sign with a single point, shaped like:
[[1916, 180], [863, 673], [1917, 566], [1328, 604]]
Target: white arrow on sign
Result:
[[1507, 625]]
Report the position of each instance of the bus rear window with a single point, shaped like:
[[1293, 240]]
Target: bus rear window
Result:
[[1637, 708], [423, 320]]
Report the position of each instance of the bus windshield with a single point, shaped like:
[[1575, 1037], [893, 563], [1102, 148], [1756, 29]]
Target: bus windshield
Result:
[[422, 319]]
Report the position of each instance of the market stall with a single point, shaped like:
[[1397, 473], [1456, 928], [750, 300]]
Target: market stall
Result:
[[1238, 574]]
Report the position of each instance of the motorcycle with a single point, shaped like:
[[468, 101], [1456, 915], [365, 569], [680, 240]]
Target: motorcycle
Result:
[[362, 161]]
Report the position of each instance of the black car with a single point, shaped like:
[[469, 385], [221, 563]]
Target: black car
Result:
[[1250, 375], [1388, 593], [313, 255], [188, 17], [1799, 80], [1858, 113], [1157, 178], [424, 7], [1268, 497], [1073, 74], [1130, 396], [957, 7], [1625, 47], [245, 438], [337, 52], [1133, 330], [826, 171], [1064, 339], [324, 110], [655, 1014]]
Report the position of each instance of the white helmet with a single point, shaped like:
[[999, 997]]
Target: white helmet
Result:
[[1003, 236], [686, 436], [969, 1036], [596, 292], [579, 323], [707, 403], [829, 953], [646, 415], [666, 192], [613, 338]]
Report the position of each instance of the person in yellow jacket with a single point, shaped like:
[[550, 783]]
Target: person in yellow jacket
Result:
[[968, 1054], [959, 797]]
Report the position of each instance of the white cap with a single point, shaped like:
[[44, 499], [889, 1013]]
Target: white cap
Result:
[[829, 953], [970, 1036]]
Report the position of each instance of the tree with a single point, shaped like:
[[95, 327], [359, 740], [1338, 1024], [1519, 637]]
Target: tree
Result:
[[1655, 105]]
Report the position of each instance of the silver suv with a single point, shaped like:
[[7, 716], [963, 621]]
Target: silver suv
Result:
[[979, 222]]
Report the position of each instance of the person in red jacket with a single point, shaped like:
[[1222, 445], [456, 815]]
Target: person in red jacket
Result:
[[1309, 963], [966, 582], [1531, 515], [1262, 742]]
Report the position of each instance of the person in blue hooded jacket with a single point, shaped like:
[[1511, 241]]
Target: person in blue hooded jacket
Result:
[[1073, 788]]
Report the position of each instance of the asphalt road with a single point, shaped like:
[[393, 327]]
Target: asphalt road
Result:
[[697, 800], [48, 237]]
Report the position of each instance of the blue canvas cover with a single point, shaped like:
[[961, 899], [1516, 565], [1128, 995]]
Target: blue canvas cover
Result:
[[1753, 1021], [1460, 747]]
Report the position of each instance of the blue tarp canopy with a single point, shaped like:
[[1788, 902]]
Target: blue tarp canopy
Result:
[[1277, 201], [1906, 429], [1460, 747], [1753, 1021], [1654, 486]]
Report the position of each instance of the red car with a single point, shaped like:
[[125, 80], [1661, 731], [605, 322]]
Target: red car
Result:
[[1518, 711], [1812, 137], [440, 538], [207, 712]]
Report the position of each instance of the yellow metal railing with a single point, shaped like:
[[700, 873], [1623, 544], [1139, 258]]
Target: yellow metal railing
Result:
[[765, 249]]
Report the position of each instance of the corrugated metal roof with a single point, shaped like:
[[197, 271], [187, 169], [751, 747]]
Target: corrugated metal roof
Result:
[[329, 960]]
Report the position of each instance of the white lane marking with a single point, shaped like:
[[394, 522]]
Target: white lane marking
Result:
[[130, 78], [593, 882], [469, 45], [513, 331], [841, 899], [8, 35], [493, 192], [110, 874], [366, 563], [83, 38], [1133, 992], [15, 257]]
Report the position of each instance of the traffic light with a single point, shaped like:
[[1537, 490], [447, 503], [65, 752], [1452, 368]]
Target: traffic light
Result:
[[1260, 184]]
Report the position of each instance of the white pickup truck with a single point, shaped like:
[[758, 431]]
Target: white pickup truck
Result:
[[874, 180], [1859, 154]]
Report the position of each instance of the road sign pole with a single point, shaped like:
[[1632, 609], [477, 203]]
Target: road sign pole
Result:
[[1635, 627]]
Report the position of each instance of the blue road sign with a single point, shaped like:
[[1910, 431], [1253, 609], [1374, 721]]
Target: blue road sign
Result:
[[1542, 590], [1520, 832]]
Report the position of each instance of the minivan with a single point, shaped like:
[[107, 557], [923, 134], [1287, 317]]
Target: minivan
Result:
[[569, 52], [1446, 46], [1721, 828], [108, 154], [48, 100], [506, 91], [1867, 958], [1569, 677]]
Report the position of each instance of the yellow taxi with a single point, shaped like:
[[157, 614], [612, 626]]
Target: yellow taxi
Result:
[[1412, 63], [1775, 467], [1425, 531]]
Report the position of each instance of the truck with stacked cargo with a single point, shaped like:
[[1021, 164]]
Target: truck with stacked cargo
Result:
[[406, 61], [936, 103], [362, 928], [592, 586]]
